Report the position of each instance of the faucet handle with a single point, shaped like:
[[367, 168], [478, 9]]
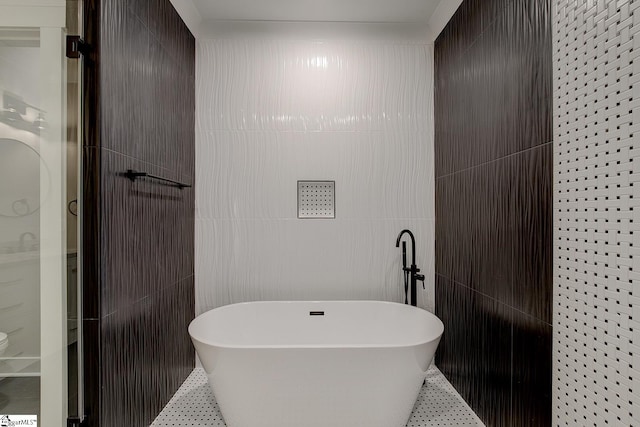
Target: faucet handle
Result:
[[421, 278]]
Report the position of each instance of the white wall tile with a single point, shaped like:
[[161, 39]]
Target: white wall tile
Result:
[[272, 113], [252, 260], [313, 86], [596, 204], [244, 174]]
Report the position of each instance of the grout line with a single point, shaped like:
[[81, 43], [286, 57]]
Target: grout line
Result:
[[154, 293], [495, 300], [497, 15], [517, 153], [173, 171]]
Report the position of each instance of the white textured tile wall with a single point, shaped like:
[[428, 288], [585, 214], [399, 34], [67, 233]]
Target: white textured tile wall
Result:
[[597, 201], [272, 112]]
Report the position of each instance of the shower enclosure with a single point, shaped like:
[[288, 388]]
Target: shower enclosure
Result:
[[39, 165]]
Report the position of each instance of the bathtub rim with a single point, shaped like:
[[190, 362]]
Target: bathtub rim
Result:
[[433, 337]]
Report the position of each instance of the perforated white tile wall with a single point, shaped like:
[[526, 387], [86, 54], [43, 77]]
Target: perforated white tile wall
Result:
[[596, 196]]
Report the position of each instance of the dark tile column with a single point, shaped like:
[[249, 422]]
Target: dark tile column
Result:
[[138, 237], [494, 213]]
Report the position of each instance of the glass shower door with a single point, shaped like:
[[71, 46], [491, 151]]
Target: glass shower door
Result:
[[38, 175]]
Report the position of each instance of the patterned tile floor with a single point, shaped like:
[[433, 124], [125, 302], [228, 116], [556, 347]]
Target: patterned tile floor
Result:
[[438, 404]]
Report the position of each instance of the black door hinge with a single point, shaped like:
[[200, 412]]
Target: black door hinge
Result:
[[76, 47], [76, 422]]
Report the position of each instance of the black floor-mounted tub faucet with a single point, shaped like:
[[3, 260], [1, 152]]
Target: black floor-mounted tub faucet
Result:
[[410, 273]]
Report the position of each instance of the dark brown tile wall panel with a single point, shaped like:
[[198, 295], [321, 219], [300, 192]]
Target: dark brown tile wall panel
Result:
[[91, 248], [493, 230], [474, 244], [453, 307], [532, 224], [91, 77], [125, 72], [493, 99], [475, 351], [145, 374], [92, 361], [532, 372], [494, 157], [490, 391], [138, 219], [466, 25], [91, 205], [141, 8], [139, 237]]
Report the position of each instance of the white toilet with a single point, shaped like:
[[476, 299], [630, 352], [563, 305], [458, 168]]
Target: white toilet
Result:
[[4, 342]]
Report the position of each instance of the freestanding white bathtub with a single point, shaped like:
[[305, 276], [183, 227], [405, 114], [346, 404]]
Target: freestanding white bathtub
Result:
[[316, 364]]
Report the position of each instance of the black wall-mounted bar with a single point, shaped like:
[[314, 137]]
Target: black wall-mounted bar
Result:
[[133, 175]]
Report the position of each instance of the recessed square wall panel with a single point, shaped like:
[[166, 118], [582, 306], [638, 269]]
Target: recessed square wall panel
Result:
[[596, 313], [316, 199]]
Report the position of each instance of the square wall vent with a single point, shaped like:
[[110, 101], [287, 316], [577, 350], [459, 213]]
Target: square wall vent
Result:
[[316, 199]]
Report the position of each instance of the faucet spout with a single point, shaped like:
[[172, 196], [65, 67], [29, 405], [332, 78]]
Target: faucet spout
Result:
[[413, 244], [410, 273]]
